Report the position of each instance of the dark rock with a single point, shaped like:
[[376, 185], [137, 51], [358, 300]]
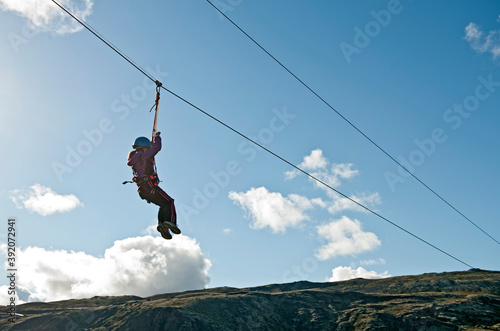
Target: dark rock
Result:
[[446, 301]]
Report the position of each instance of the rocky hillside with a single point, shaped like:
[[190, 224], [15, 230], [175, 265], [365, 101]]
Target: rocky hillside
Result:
[[446, 301]]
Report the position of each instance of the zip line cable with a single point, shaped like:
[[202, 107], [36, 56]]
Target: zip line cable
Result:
[[315, 178], [262, 147], [349, 122]]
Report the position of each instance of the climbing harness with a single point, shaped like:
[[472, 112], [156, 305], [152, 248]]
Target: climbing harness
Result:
[[151, 178]]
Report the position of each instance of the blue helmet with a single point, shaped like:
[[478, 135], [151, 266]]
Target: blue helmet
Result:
[[142, 142]]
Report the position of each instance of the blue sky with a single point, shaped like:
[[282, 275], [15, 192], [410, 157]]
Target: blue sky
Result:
[[419, 78]]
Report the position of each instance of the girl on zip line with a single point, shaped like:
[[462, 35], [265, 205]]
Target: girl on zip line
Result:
[[142, 161]]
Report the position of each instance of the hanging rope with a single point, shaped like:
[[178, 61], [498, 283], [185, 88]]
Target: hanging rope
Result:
[[155, 121], [155, 106]]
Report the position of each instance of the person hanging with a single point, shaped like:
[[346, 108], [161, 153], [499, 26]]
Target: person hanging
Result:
[[142, 161]]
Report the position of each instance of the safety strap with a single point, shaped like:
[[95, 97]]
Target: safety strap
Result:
[[139, 181], [155, 122], [155, 106]]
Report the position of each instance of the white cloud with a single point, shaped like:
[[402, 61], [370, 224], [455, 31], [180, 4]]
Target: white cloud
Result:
[[472, 32], [278, 212], [141, 266], [317, 165], [341, 204], [480, 43], [346, 273], [314, 161], [44, 201], [345, 237], [227, 231], [344, 170], [271, 209], [151, 230], [46, 16], [20, 296], [333, 176]]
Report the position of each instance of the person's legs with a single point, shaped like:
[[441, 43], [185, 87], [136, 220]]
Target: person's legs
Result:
[[167, 208], [167, 213]]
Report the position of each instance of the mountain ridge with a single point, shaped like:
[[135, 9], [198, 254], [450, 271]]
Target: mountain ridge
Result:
[[434, 301]]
